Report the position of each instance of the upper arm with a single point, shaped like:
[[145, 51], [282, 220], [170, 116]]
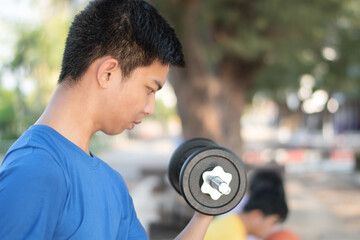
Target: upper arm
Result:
[[136, 230], [32, 194]]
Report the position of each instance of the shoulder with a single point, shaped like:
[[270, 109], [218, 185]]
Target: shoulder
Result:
[[26, 166], [228, 227], [31, 150], [36, 136], [111, 172], [230, 221], [116, 182], [36, 144], [30, 162]]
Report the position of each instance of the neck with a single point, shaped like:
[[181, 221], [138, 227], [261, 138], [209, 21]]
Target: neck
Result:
[[70, 112]]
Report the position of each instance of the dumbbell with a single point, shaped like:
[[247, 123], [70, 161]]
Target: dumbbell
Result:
[[211, 179]]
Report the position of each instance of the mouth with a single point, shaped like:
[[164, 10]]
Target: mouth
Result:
[[133, 124]]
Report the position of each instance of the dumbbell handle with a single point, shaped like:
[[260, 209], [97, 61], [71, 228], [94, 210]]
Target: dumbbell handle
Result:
[[220, 185], [216, 182]]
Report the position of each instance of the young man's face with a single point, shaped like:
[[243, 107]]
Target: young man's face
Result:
[[264, 225], [133, 98]]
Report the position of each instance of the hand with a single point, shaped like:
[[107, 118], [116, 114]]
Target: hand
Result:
[[196, 228]]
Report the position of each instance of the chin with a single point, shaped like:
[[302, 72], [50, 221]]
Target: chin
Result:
[[113, 131]]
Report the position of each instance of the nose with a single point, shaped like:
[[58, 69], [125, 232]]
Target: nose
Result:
[[150, 106]]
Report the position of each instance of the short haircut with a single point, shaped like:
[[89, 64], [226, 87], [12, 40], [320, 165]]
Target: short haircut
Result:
[[269, 200], [131, 31], [266, 177]]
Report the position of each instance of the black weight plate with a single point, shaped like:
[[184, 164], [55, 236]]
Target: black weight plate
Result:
[[191, 180], [181, 153]]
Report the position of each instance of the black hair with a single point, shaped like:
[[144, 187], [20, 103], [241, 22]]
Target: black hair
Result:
[[266, 177], [131, 31], [269, 200]]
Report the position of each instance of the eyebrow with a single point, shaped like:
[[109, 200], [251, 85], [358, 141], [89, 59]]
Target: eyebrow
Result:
[[158, 84]]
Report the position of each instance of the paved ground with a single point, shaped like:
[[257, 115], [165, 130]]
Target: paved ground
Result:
[[324, 201], [324, 205]]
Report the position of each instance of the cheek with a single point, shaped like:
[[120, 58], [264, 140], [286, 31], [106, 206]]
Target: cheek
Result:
[[131, 101], [135, 103], [267, 229]]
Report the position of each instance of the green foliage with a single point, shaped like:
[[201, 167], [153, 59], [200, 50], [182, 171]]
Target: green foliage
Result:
[[163, 113], [7, 114], [35, 67], [39, 53], [287, 36]]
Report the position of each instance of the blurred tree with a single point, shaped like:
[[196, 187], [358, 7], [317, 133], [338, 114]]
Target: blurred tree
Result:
[[236, 47], [7, 114], [163, 113], [35, 64]]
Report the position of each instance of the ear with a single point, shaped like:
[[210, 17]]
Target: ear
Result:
[[256, 215], [107, 70]]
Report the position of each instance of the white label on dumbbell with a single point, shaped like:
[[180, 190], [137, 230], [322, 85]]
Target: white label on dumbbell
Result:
[[216, 183]]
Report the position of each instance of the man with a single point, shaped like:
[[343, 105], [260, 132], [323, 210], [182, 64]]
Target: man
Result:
[[117, 56], [260, 178], [265, 208]]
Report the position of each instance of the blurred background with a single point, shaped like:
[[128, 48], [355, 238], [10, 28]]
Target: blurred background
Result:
[[275, 81]]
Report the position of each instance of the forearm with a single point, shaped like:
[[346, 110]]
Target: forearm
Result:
[[196, 228]]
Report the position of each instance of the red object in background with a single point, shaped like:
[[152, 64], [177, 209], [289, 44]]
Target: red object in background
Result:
[[295, 156], [252, 157], [342, 156]]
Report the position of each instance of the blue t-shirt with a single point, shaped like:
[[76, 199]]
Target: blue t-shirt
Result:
[[51, 189]]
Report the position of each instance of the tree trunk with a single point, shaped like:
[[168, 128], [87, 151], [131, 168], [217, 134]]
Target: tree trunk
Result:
[[199, 115], [236, 76], [210, 105]]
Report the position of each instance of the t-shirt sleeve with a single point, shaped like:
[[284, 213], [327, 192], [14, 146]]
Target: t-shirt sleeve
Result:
[[136, 230], [32, 195]]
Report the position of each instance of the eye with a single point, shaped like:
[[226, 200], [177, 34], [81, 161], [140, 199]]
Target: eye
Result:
[[150, 90]]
